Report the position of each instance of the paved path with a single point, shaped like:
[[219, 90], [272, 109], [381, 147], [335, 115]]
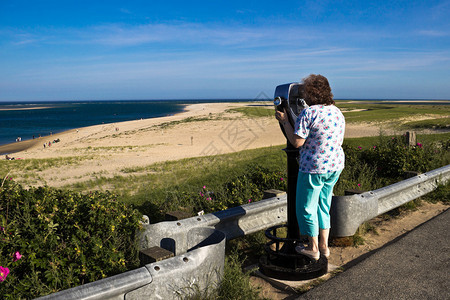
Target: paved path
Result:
[[414, 266]]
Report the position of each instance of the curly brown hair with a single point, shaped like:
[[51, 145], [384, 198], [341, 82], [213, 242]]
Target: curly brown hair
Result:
[[317, 90]]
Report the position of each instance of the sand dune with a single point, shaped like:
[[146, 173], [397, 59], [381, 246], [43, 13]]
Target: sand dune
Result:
[[109, 148]]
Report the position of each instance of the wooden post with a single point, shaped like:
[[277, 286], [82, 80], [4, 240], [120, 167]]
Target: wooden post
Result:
[[411, 138]]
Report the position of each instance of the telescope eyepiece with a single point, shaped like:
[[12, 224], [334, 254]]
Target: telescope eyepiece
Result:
[[277, 101]]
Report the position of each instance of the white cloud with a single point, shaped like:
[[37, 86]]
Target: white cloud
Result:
[[433, 33], [125, 11], [186, 34]]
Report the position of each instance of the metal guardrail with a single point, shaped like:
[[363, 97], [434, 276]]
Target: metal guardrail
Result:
[[199, 242], [349, 212], [200, 267], [233, 222]]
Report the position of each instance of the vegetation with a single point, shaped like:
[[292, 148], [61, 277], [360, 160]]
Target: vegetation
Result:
[[254, 111], [53, 239], [235, 283], [386, 161], [441, 123], [363, 111], [166, 125], [371, 163]]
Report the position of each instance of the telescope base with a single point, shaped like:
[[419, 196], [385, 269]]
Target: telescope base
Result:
[[282, 270], [283, 262]]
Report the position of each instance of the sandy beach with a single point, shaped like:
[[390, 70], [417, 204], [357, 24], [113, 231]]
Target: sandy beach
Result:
[[202, 129]]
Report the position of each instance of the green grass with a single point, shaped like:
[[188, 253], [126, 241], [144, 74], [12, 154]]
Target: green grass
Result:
[[373, 140], [254, 111], [26, 171], [170, 124], [149, 187], [235, 284], [441, 194], [440, 123], [374, 112], [389, 112], [197, 171]]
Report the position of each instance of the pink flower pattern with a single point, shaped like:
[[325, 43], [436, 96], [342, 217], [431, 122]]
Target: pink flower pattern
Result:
[[17, 256], [323, 127], [4, 271]]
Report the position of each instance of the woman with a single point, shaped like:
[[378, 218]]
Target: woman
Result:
[[319, 133]]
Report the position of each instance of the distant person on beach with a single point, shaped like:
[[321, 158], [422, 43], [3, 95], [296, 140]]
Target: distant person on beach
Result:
[[319, 133]]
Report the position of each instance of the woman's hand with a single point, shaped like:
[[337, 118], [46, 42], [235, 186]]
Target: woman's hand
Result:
[[281, 116], [294, 139]]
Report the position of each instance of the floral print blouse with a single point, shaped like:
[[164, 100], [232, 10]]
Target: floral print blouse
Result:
[[323, 127]]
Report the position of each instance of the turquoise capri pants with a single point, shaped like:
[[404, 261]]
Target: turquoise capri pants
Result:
[[314, 193]]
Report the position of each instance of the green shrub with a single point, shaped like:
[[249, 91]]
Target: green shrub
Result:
[[392, 157], [385, 161], [64, 239], [245, 188]]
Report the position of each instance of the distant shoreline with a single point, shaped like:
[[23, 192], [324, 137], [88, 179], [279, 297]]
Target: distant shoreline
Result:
[[399, 101], [19, 146], [11, 148], [24, 108]]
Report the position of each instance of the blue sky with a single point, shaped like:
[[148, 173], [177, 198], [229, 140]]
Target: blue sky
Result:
[[96, 50]]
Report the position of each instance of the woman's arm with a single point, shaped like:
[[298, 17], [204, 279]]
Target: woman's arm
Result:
[[294, 139]]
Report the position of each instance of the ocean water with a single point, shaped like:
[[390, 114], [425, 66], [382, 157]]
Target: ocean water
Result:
[[36, 119], [28, 119]]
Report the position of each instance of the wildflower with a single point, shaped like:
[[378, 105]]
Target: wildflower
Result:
[[359, 184], [204, 187], [281, 178], [201, 194], [374, 147], [17, 256], [249, 200], [121, 262], [4, 271], [359, 147], [419, 145], [209, 198]]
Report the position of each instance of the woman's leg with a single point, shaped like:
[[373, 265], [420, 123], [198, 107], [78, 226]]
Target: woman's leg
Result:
[[308, 191], [313, 243], [323, 241], [323, 211]]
